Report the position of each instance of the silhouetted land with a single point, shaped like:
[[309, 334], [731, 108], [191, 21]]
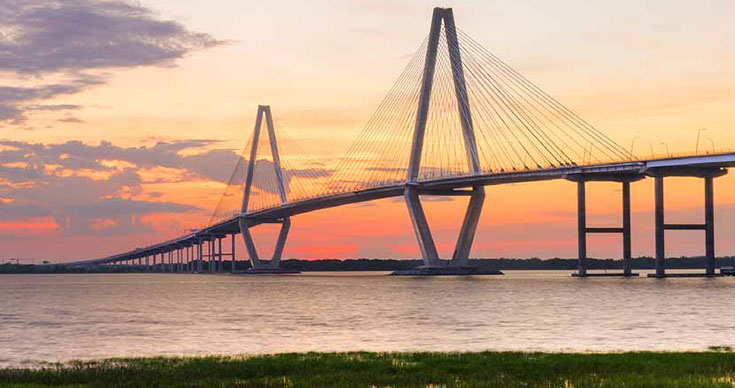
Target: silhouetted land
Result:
[[501, 264], [393, 264], [351, 370]]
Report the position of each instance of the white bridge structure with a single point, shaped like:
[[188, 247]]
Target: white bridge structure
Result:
[[456, 121]]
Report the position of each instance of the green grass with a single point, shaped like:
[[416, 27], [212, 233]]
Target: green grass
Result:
[[362, 369]]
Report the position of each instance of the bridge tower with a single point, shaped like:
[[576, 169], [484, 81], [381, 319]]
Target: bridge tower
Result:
[[257, 264], [458, 264]]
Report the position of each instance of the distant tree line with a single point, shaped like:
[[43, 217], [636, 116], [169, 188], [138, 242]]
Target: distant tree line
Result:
[[61, 268], [500, 264], [395, 264]]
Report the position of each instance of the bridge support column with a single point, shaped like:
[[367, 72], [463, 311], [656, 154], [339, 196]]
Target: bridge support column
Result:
[[709, 226], [466, 237], [213, 256], [421, 227], [189, 267], [257, 265], [209, 255], [200, 265], [583, 229], [659, 222], [219, 255], [262, 266], [232, 264], [433, 264], [708, 175], [627, 240]]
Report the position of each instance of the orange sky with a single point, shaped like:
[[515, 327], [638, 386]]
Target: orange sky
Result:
[[648, 74]]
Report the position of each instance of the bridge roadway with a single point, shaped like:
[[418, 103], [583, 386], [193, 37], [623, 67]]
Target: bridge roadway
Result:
[[617, 172]]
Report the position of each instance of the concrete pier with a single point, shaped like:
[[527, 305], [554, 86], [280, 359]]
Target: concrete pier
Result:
[[199, 256], [709, 222], [582, 228], [627, 240], [232, 264], [707, 175], [659, 225], [219, 256]]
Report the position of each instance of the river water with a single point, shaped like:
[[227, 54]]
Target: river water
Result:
[[81, 316]]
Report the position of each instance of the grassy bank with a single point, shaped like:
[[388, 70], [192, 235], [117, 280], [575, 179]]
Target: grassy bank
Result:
[[488, 369]]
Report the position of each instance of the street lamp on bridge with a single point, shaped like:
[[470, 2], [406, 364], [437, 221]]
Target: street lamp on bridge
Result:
[[696, 147], [667, 149], [632, 142]]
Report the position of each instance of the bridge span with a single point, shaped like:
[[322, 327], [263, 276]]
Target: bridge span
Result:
[[458, 120]]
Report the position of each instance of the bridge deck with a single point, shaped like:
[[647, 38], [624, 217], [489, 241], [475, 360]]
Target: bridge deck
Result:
[[610, 171]]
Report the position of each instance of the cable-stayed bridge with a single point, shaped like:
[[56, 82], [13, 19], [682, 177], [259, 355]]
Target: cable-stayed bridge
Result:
[[458, 119]]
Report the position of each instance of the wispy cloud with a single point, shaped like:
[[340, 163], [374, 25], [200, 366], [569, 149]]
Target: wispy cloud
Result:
[[77, 39]]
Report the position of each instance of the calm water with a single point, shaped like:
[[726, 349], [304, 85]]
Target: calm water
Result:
[[60, 317]]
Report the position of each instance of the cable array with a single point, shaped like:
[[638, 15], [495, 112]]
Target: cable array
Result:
[[516, 127], [302, 176]]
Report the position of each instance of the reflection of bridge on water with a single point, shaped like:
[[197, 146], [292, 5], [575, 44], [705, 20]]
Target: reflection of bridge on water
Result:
[[458, 119]]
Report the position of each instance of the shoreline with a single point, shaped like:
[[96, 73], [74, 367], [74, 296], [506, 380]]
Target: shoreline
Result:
[[372, 265], [713, 368]]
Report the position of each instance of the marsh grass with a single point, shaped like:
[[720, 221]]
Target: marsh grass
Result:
[[362, 369]]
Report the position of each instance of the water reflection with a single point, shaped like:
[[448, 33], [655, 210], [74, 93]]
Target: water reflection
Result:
[[59, 317]]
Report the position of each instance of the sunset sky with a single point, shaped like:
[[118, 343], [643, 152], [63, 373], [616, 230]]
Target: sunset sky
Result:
[[120, 122]]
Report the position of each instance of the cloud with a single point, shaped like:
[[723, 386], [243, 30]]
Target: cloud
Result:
[[10, 113], [10, 94], [50, 36], [13, 110], [55, 180], [78, 39], [215, 164], [70, 119], [77, 155], [18, 100], [82, 205]]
